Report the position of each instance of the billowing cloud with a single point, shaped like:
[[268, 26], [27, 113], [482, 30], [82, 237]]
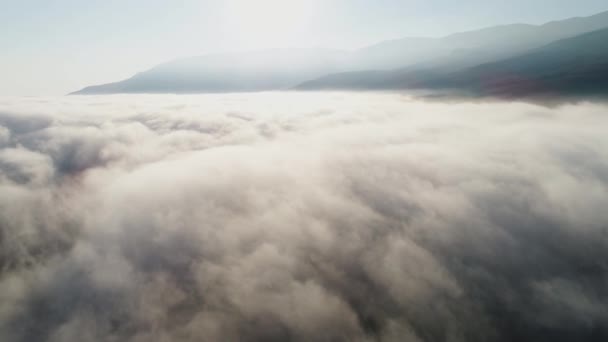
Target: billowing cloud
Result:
[[302, 217]]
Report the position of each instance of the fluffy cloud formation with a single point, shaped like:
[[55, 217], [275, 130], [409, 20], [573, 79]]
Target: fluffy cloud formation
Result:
[[302, 217]]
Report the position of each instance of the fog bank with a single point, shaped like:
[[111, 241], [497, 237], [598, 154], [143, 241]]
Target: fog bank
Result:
[[301, 217]]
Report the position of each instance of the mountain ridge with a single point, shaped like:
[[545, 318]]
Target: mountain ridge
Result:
[[570, 66], [281, 69]]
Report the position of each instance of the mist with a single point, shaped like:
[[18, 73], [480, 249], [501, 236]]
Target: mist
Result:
[[302, 217]]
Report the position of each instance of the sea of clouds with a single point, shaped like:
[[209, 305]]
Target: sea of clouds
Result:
[[302, 217]]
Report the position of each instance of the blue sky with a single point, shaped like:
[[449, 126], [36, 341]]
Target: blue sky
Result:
[[56, 46]]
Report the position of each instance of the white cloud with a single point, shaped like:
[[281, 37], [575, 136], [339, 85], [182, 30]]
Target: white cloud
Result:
[[287, 216]]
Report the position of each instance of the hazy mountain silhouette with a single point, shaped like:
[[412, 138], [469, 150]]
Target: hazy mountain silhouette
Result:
[[251, 71], [417, 59], [572, 66], [475, 47]]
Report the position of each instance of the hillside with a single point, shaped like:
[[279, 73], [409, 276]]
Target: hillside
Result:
[[398, 63], [572, 66]]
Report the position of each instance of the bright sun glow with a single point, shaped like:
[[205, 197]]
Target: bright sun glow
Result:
[[269, 23]]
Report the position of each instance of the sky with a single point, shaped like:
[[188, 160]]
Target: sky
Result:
[[52, 47]]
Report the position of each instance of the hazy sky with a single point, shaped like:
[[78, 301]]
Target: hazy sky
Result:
[[57, 46]]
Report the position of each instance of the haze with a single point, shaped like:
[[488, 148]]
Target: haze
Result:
[[56, 47]]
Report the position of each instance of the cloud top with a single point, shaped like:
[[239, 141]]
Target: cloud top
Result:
[[301, 217]]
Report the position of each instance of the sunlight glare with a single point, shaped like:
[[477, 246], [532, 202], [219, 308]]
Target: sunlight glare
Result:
[[269, 23]]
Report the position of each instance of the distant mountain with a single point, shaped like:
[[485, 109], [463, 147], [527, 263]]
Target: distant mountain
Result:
[[569, 67], [372, 80], [472, 48], [236, 72], [573, 66], [415, 59]]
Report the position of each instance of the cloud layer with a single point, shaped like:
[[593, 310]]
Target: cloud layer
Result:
[[301, 217]]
